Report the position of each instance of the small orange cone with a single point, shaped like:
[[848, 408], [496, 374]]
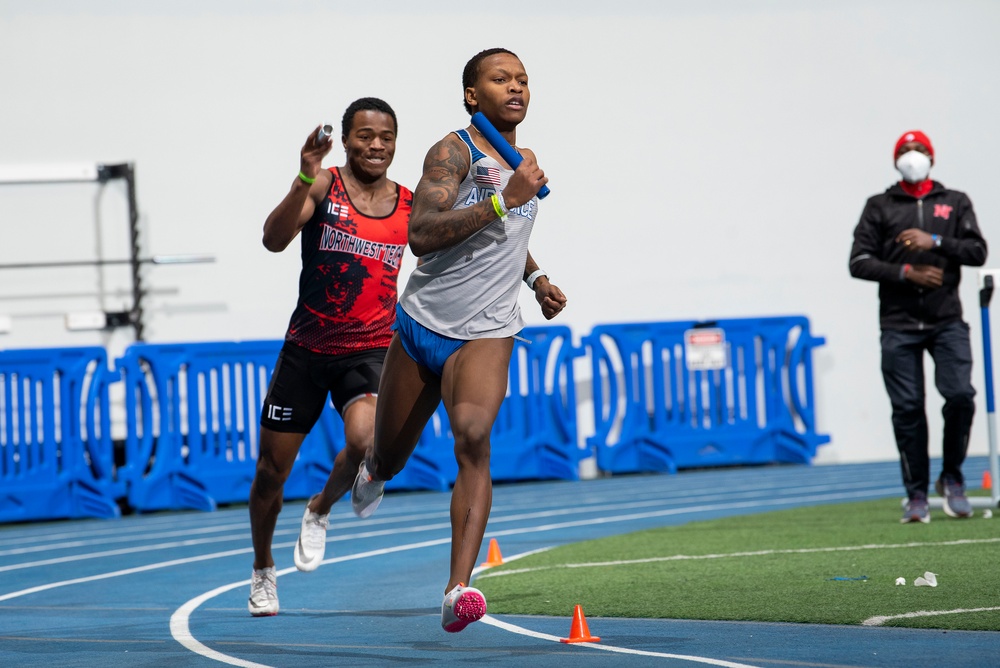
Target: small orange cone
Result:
[[493, 556], [579, 632], [987, 480]]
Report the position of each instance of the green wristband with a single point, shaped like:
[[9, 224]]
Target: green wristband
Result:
[[306, 178], [497, 208]]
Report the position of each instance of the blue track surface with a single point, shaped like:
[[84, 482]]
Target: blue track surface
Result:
[[171, 588]]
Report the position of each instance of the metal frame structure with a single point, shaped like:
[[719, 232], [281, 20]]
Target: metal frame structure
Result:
[[986, 280], [100, 173], [986, 284]]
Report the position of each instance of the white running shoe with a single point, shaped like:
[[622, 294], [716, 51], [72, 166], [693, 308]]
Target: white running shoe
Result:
[[366, 493], [311, 546], [462, 606], [263, 592]]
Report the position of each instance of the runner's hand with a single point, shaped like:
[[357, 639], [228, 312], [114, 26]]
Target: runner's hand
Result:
[[549, 297], [312, 154], [527, 180]]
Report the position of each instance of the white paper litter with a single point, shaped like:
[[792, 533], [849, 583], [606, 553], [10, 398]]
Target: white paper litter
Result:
[[929, 580], [901, 581]]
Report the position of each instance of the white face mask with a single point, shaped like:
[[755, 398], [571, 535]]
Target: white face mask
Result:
[[914, 166]]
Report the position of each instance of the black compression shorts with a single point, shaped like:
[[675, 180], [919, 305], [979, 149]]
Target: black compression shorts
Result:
[[302, 379]]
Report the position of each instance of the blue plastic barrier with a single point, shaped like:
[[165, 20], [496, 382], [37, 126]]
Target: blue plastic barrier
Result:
[[652, 413], [192, 416], [56, 449], [192, 412], [535, 433]]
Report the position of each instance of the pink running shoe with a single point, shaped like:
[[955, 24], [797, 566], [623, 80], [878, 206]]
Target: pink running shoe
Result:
[[462, 606]]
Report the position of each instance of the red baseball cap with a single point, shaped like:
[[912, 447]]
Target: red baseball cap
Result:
[[913, 135]]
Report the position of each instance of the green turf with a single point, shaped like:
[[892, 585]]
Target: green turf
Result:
[[778, 586]]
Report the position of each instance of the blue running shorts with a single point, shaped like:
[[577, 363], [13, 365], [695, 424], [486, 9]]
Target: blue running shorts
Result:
[[427, 348]]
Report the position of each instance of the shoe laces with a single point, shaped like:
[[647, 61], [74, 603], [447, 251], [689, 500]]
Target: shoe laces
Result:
[[316, 524], [370, 486], [264, 582], [953, 488]]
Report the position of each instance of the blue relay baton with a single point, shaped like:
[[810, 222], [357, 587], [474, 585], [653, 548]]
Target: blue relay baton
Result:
[[496, 140]]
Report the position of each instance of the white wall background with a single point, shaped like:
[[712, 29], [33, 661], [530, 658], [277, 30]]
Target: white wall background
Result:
[[707, 159]]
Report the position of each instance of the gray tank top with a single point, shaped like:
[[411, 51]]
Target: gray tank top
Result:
[[469, 291]]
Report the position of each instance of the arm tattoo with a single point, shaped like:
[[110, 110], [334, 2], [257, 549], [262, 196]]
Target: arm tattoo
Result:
[[434, 225]]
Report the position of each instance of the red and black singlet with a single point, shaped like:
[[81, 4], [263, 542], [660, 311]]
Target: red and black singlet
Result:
[[350, 266]]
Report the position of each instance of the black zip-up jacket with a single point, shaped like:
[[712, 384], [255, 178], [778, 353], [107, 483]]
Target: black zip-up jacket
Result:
[[876, 256]]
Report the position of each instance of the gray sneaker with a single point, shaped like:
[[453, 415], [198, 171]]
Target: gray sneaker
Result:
[[263, 592], [955, 502], [916, 510], [366, 493]]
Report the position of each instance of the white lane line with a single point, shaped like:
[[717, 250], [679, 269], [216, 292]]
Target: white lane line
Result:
[[180, 627], [589, 521], [693, 510], [755, 553], [127, 571], [879, 620], [130, 527], [512, 628], [179, 619], [194, 645], [98, 539], [181, 631], [217, 539], [603, 490], [114, 553], [494, 520], [505, 626], [497, 515]]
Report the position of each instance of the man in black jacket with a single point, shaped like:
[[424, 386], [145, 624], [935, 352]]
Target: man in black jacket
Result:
[[913, 239]]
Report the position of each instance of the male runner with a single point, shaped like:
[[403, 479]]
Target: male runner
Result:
[[353, 221], [472, 217]]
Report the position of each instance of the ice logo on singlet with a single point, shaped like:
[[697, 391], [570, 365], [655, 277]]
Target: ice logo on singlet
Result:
[[526, 210], [279, 413], [334, 240], [339, 210]]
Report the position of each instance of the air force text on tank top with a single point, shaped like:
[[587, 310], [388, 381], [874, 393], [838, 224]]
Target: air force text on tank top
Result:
[[470, 290], [350, 265]]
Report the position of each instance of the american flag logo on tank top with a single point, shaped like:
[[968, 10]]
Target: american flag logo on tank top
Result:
[[488, 176]]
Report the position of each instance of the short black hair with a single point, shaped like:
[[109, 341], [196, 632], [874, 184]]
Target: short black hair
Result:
[[471, 71], [367, 104]]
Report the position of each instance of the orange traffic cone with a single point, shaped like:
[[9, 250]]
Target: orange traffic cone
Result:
[[493, 556], [579, 632], [987, 480]]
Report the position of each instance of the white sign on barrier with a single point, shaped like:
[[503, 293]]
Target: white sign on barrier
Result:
[[705, 349]]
